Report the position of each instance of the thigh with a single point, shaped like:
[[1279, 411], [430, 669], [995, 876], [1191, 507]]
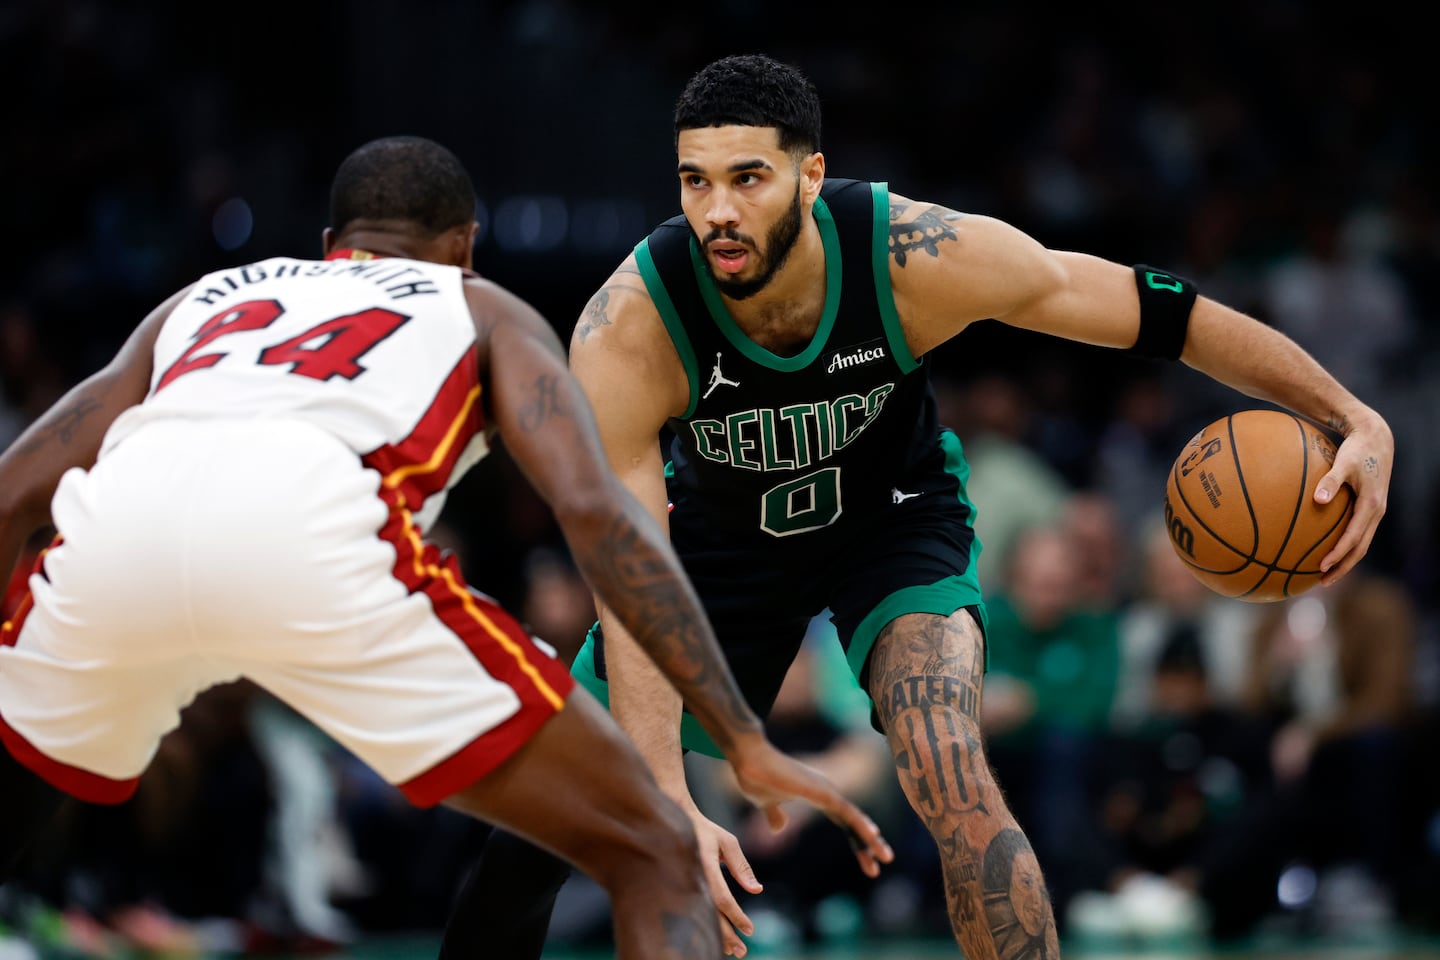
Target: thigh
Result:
[[921, 563]]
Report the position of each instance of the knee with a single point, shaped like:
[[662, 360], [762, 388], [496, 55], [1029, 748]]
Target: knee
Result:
[[657, 846]]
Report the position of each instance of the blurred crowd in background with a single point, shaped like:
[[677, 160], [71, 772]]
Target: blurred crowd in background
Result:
[[1184, 765]]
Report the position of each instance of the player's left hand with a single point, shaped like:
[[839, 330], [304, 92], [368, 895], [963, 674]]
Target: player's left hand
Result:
[[768, 778], [1364, 461]]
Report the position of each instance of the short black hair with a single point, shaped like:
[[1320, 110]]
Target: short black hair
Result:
[[402, 179], [753, 90]]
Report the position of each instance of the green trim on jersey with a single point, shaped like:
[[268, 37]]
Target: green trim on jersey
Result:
[[885, 296], [671, 318], [942, 598], [692, 735], [711, 294]]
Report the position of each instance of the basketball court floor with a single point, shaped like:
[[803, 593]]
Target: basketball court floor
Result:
[[1394, 949]]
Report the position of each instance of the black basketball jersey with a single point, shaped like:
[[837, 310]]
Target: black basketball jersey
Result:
[[794, 447]]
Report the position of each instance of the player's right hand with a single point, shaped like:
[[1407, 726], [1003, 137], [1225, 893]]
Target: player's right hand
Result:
[[718, 847], [768, 778]]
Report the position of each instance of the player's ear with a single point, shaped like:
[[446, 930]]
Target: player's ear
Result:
[[327, 241], [472, 233], [460, 245], [812, 176]]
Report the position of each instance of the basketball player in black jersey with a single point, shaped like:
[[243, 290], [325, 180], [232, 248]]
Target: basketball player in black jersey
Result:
[[808, 471]]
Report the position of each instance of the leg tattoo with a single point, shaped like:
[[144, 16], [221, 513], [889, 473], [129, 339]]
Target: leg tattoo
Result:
[[925, 678]]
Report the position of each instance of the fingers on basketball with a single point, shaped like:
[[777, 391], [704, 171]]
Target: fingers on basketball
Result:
[[1240, 507]]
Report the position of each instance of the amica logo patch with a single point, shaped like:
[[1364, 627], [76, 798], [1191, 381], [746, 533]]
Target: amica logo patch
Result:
[[860, 355]]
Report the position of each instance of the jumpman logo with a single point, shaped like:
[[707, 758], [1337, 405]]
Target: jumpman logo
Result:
[[718, 379], [897, 497]]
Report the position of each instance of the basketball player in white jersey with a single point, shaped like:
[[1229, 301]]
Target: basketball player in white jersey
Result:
[[245, 491]]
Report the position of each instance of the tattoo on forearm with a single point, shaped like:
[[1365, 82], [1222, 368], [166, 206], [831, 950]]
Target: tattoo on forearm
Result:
[[1372, 466], [543, 404], [647, 595], [1340, 424], [63, 424], [925, 230]]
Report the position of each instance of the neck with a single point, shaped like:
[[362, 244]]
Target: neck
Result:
[[383, 243], [796, 291]]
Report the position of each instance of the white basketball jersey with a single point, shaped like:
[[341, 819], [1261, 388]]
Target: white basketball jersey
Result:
[[377, 351]]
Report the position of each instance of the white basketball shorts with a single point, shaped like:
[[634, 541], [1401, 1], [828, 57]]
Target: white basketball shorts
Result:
[[195, 553]]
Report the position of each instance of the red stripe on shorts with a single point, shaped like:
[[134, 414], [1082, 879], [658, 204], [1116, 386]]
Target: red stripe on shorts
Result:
[[411, 470], [82, 784], [502, 647]]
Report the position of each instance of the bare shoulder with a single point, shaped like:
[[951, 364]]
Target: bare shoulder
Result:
[[921, 230], [622, 299], [139, 347], [491, 305], [621, 348], [949, 269]]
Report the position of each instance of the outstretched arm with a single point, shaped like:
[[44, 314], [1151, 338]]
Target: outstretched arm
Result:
[[973, 267], [69, 435]]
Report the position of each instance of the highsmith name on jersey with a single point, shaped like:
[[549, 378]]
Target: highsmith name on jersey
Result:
[[343, 344]]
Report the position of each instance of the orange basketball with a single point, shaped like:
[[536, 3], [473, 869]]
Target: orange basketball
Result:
[[1240, 505]]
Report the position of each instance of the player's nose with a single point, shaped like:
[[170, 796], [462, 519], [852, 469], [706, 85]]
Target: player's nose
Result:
[[722, 211]]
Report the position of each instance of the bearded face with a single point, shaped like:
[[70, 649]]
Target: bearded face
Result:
[[769, 257]]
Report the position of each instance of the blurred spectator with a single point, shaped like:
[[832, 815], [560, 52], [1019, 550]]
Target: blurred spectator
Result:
[[1174, 785], [1316, 294], [1092, 521], [1172, 602], [1331, 679], [1011, 486], [1137, 447], [1048, 696]]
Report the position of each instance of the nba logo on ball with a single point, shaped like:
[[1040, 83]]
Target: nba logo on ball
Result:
[[1240, 506]]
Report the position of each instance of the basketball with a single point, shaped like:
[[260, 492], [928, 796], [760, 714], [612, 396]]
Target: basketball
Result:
[[1240, 505]]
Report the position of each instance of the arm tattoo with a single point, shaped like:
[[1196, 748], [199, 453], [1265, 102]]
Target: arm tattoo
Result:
[[1340, 424], [66, 421], [649, 596], [544, 404], [595, 311], [1372, 466], [923, 231], [595, 315]]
